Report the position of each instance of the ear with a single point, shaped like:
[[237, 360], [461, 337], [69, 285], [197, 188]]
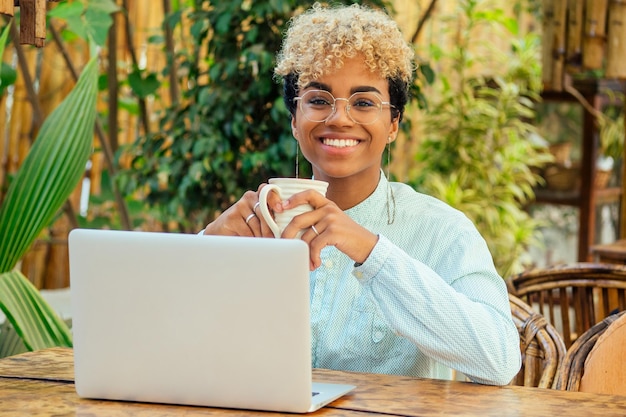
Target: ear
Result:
[[393, 130], [294, 129]]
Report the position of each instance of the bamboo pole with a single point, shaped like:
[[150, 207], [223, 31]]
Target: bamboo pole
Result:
[[622, 222], [558, 47], [616, 40], [547, 43], [40, 22], [574, 53], [7, 7], [595, 34]]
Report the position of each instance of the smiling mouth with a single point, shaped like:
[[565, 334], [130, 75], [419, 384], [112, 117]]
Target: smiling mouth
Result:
[[340, 143]]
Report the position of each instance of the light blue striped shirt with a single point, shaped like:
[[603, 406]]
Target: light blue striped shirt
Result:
[[427, 299]]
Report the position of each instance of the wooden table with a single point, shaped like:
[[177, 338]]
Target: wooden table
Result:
[[41, 384]]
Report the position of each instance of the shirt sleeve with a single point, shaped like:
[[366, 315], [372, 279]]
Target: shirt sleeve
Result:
[[460, 317]]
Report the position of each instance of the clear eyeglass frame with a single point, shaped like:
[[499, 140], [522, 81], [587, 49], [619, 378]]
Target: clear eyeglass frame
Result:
[[319, 105]]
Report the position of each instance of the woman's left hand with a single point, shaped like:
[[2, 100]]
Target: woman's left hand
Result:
[[327, 225]]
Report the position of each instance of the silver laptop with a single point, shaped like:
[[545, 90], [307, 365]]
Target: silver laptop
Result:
[[198, 320]]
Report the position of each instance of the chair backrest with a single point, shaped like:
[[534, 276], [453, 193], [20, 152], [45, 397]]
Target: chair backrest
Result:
[[573, 297], [541, 346], [595, 362]]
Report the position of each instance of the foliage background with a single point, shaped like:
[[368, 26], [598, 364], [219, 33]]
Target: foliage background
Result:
[[189, 113], [477, 154], [230, 131]]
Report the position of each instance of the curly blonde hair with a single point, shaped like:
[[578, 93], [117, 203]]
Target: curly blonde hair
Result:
[[319, 39]]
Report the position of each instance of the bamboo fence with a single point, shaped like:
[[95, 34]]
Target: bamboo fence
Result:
[[581, 36]]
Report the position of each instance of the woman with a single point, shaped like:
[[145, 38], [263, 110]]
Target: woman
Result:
[[401, 283]]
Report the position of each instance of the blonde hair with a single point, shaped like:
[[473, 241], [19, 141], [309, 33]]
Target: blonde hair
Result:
[[319, 39]]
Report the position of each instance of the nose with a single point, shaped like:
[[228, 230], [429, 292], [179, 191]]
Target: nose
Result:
[[340, 117]]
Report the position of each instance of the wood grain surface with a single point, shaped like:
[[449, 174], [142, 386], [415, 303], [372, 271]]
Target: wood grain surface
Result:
[[41, 384]]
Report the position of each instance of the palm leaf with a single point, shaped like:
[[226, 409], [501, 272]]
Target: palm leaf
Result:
[[45, 180], [10, 342], [51, 170], [32, 318]]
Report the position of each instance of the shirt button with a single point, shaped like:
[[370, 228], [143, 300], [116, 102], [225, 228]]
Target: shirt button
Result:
[[328, 264], [359, 274], [378, 336]]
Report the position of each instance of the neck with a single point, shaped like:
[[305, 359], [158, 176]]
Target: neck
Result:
[[349, 192]]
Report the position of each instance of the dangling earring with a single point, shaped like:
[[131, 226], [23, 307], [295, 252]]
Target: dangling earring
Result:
[[391, 199], [297, 158]]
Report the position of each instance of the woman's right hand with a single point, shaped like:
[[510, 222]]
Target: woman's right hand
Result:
[[243, 218]]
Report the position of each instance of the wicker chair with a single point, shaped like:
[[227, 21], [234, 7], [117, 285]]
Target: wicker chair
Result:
[[601, 351], [586, 292], [542, 348]]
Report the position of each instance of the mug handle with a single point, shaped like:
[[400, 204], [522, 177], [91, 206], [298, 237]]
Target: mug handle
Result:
[[265, 212]]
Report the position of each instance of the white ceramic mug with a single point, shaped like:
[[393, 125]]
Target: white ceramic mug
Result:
[[286, 187]]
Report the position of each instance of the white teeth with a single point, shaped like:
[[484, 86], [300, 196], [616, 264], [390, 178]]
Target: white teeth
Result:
[[340, 143]]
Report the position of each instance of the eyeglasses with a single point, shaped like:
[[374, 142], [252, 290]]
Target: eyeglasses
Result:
[[362, 108]]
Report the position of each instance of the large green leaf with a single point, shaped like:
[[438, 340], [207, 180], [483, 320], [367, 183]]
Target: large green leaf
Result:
[[45, 180], [32, 318], [51, 170], [10, 342], [88, 19]]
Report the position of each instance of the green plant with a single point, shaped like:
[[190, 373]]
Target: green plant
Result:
[[611, 123], [612, 137], [43, 183], [476, 155], [610, 120]]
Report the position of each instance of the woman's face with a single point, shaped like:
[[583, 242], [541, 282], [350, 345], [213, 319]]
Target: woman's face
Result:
[[340, 147]]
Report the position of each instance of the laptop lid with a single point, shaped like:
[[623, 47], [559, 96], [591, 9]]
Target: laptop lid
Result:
[[197, 320]]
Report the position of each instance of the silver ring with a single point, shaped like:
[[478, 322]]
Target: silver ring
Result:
[[257, 204], [315, 230], [250, 216]]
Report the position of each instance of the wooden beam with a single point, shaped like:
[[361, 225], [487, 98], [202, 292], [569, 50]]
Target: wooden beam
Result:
[[32, 19], [27, 22]]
